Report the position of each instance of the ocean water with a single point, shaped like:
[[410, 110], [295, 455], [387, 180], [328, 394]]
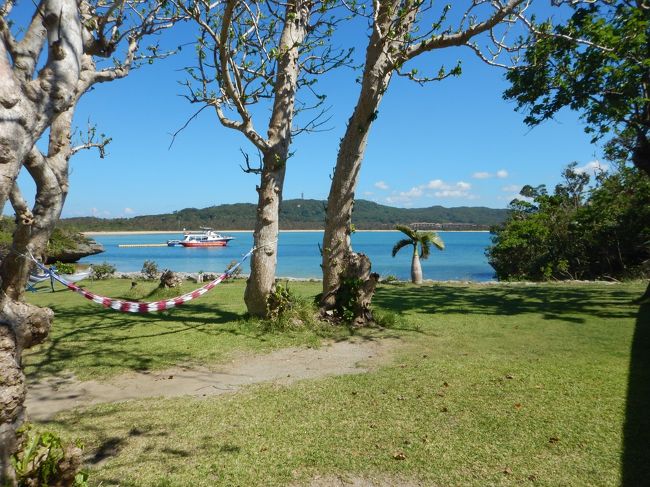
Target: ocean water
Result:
[[298, 254]]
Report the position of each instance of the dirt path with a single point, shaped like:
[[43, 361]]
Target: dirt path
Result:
[[48, 397]]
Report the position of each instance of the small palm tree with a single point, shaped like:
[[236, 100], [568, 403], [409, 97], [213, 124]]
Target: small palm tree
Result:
[[424, 239]]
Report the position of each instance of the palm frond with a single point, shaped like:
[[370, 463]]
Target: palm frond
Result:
[[427, 239], [401, 244], [408, 231]]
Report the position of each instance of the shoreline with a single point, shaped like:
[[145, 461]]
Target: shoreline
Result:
[[164, 232]]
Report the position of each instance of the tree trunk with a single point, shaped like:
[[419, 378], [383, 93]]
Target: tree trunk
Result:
[[416, 267], [21, 326], [34, 228], [336, 239], [264, 260]]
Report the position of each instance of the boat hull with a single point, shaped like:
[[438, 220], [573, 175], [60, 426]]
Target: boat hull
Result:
[[216, 243]]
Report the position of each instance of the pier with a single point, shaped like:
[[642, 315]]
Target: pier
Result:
[[143, 245]]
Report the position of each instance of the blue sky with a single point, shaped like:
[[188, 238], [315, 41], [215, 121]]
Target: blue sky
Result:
[[450, 143]]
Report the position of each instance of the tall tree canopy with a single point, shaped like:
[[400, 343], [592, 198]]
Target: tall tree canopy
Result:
[[578, 231], [249, 54], [46, 65], [597, 63], [399, 32]]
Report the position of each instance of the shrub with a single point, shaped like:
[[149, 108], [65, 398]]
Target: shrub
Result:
[[150, 270], [45, 460], [62, 268], [103, 270], [287, 311], [237, 272]]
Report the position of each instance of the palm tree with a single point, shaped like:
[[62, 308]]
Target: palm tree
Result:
[[425, 239]]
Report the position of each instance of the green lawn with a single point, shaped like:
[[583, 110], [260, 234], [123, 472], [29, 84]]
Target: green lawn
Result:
[[494, 385]]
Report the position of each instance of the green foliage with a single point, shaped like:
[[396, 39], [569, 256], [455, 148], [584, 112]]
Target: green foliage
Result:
[[40, 460], [150, 270], [237, 272], [294, 214], [287, 311], [576, 232], [62, 268], [415, 238], [103, 270], [597, 64], [347, 298], [64, 239]]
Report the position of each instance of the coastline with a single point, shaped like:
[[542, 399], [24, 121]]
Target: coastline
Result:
[[164, 232]]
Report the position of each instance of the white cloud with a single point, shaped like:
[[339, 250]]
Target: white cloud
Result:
[[451, 193], [512, 188], [381, 185], [128, 211], [99, 213], [592, 167], [436, 184], [412, 193], [501, 174], [442, 189]]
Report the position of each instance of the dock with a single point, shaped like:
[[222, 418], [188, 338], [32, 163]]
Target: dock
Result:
[[144, 245]]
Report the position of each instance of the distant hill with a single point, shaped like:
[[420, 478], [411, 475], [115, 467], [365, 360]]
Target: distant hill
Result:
[[297, 214]]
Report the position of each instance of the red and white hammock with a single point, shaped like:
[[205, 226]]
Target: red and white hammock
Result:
[[140, 307]]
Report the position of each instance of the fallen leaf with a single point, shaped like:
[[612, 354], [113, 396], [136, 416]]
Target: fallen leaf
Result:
[[399, 455], [518, 405], [440, 393], [507, 471]]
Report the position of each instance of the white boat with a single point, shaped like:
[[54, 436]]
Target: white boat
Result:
[[207, 237]]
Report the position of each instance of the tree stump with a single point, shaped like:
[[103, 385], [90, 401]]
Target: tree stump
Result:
[[169, 279], [353, 297]]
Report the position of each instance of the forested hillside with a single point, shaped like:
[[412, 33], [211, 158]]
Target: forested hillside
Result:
[[296, 214]]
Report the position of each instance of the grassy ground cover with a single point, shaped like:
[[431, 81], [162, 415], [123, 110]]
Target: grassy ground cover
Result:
[[95, 343], [494, 385]]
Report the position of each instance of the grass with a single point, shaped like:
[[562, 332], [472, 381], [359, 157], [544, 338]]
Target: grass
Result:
[[494, 385], [96, 343]]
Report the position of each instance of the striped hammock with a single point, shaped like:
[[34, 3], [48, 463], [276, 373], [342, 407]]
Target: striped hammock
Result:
[[140, 307]]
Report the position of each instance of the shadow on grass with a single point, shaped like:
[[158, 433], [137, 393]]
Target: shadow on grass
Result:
[[105, 335], [562, 303], [636, 433]]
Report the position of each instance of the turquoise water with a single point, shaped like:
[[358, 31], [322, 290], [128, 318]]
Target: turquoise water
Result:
[[298, 254]]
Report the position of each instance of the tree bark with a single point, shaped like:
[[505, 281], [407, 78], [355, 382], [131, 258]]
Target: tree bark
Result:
[[336, 238], [21, 326], [264, 261], [34, 228], [29, 105], [416, 267]]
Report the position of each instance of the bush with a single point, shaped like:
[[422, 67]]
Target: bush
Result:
[[287, 311], [62, 268], [237, 272], [150, 270], [103, 270], [45, 460]]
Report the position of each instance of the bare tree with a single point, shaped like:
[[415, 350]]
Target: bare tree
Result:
[[248, 53], [75, 35], [401, 30]]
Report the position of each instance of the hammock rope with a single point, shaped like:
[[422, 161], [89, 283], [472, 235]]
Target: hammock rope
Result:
[[144, 307]]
